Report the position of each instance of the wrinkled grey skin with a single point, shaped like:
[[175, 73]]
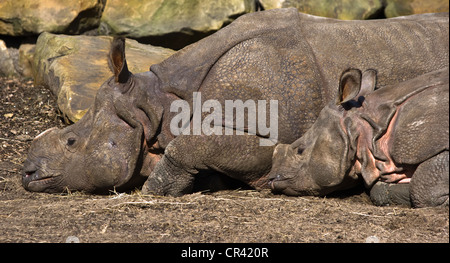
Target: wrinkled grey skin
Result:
[[396, 138], [281, 55]]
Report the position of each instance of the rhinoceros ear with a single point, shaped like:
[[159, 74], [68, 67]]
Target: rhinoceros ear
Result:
[[349, 86], [368, 82], [117, 61]]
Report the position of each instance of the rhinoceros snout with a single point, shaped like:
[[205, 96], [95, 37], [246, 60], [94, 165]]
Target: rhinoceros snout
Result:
[[279, 183], [34, 179]]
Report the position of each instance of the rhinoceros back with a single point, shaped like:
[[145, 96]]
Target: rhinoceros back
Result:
[[399, 48], [184, 72], [421, 130]]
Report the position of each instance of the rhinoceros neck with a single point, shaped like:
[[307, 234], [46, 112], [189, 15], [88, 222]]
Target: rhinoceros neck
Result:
[[397, 49], [161, 102], [378, 120], [380, 106]]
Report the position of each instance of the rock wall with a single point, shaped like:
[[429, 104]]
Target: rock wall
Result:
[[341, 9], [150, 18], [408, 7], [137, 18], [30, 17]]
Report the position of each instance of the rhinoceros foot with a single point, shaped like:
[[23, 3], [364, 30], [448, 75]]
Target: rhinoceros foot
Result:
[[384, 194], [430, 183]]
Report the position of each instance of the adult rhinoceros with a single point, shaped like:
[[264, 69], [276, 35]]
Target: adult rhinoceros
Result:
[[283, 56]]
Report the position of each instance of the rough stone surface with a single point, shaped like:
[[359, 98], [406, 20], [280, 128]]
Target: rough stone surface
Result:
[[341, 9], [137, 18], [26, 55], [7, 68], [408, 7], [74, 67], [30, 17]]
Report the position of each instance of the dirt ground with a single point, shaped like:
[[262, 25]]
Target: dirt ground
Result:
[[226, 216]]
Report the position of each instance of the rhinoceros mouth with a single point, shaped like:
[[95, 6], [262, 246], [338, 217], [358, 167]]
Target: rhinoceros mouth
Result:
[[32, 181]]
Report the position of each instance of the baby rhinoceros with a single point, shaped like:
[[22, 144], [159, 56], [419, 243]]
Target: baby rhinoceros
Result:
[[394, 139]]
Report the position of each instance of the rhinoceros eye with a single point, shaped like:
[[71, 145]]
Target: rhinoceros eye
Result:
[[71, 141]]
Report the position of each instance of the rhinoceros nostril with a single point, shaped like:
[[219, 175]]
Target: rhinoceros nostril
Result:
[[272, 180], [29, 169], [277, 177], [29, 176]]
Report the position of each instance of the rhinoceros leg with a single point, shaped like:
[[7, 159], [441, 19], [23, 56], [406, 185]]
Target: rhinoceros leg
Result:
[[237, 156], [383, 194], [429, 184], [168, 179]]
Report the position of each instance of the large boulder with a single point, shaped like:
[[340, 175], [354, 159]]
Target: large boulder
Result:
[[7, 67], [408, 7], [341, 9], [30, 17], [26, 55], [143, 18], [16, 62], [74, 67]]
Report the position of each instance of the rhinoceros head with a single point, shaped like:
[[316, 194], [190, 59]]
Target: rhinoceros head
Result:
[[103, 150], [318, 161]]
